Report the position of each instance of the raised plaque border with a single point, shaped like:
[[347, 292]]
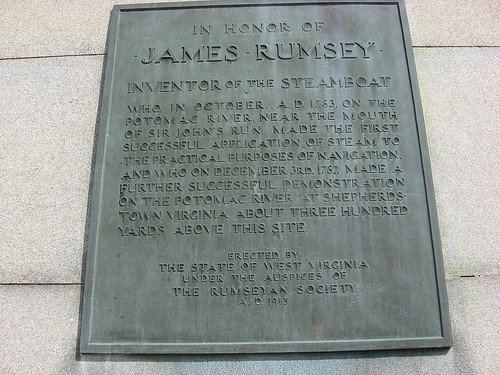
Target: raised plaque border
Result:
[[443, 341]]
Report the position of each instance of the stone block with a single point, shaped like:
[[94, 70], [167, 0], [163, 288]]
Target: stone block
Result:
[[49, 118], [454, 22], [55, 28], [460, 96], [46, 149], [39, 324]]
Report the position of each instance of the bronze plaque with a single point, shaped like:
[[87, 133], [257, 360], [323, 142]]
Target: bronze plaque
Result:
[[262, 183]]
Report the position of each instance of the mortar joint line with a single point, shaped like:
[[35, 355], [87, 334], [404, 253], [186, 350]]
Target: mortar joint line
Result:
[[103, 54]]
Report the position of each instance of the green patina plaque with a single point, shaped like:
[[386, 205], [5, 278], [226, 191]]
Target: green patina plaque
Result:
[[262, 183]]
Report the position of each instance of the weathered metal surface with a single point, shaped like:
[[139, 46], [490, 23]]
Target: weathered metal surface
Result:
[[262, 183]]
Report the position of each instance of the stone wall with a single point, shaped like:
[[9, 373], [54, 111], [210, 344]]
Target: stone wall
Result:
[[51, 56]]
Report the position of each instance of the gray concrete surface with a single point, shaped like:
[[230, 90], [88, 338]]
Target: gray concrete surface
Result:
[[50, 107], [54, 28], [38, 326], [460, 97], [45, 151], [454, 23], [46, 176]]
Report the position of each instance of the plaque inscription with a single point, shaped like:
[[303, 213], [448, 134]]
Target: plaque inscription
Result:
[[262, 183]]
